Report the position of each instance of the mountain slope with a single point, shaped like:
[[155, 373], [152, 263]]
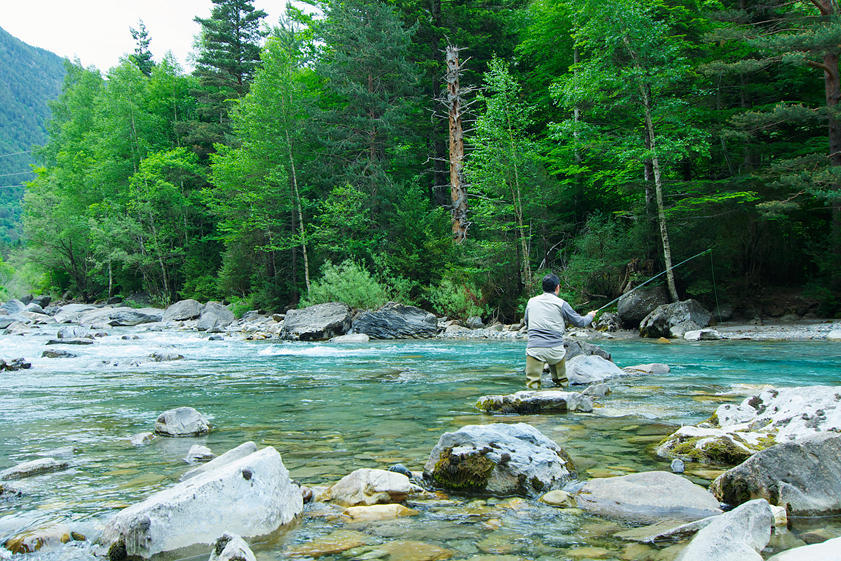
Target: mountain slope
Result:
[[29, 78]]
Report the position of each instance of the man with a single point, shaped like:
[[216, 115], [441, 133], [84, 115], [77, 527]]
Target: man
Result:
[[546, 318]]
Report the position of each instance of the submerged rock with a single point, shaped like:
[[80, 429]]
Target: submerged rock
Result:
[[559, 498], [647, 497], [589, 369], [829, 550], [351, 338], [40, 538], [142, 438], [396, 321], [803, 476], [57, 354], [409, 550], [15, 364], [182, 421], [165, 356], [83, 341], [33, 468], [252, 496], [230, 547], [674, 320], [316, 323], [499, 459], [532, 402], [371, 513], [738, 535], [575, 348], [331, 544], [371, 486], [651, 368]]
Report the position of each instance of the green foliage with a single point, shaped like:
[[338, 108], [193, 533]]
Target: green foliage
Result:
[[347, 282], [456, 299], [239, 306]]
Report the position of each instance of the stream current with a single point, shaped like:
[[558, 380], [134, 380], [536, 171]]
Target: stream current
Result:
[[330, 409]]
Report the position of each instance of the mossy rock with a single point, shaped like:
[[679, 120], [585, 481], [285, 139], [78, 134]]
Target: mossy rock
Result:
[[467, 472]]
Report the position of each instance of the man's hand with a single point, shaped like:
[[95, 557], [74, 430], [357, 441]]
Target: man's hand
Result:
[[593, 313]]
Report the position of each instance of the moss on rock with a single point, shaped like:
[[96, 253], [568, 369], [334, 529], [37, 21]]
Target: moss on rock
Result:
[[467, 472]]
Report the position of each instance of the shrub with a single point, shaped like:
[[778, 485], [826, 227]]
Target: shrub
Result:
[[347, 282], [457, 299]]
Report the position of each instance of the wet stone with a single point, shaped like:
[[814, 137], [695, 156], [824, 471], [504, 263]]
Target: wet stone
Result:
[[331, 544]]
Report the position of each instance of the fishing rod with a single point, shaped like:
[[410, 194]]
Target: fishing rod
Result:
[[654, 277]]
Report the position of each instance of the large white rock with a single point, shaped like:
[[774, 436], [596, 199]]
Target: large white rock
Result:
[[71, 313], [773, 416], [182, 421], [214, 317], [372, 486], [252, 497], [647, 497], [830, 550], [588, 369], [738, 535]]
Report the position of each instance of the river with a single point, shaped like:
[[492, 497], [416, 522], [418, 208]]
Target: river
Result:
[[330, 409]]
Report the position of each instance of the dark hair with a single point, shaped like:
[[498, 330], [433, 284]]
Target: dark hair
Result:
[[550, 283]]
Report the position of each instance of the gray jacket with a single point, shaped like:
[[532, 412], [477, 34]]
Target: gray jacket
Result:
[[546, 318]]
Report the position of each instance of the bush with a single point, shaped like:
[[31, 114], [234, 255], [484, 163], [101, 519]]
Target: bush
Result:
[[239, 306], [347, 282], [457, 299]]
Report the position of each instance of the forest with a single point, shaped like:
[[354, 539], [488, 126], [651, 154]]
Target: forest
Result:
[[448, 153]]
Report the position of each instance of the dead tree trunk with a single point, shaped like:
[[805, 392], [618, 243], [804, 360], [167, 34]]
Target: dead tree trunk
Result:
[[458, 187]]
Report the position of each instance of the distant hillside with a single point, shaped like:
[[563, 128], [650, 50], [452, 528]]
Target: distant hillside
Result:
[[29, 78]]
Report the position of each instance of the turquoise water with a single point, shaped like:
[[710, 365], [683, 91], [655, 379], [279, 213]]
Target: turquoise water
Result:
[[330, 409]]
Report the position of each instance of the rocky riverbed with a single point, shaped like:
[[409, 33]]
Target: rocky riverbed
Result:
[[338, 417]]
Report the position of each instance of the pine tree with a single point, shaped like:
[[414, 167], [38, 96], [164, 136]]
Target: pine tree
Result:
[[142, 56], [229, 53]]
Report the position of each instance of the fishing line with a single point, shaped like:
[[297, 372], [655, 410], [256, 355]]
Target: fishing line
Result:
[[654, 277], [715, 291]]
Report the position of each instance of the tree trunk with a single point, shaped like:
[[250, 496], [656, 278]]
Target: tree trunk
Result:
[[301, 230], [658, 194], [458, 192]]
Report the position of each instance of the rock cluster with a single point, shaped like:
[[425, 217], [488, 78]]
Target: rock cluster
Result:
[[674, 320]]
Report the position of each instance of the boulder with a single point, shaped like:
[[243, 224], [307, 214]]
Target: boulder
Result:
[[674, 320], [634, 306], [231, 547], [214, 317], [371, 486], [351, 338], [34, 308], [608, 321], [834, 335], [122, 316], [829, 550], [474, 322], [738, 535], [182, 421], [199, 454], [396, 321], [42, 300], [499, 459], [13, 307], [232, 455], [532, 402], [575, 348], [735, 432], [589, 369], [804, 476], [316, 323], [710, 445], [71, 313], [664, 530], [646, 498], [252, 496], [183, 310], [33, 468], [58, 353]]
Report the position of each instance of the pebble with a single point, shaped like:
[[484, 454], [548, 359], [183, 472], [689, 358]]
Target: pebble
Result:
[[678, 466]]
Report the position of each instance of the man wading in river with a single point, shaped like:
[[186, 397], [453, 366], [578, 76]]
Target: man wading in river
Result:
[[546, 318]]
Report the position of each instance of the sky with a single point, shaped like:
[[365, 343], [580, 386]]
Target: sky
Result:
[[97, 31]]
